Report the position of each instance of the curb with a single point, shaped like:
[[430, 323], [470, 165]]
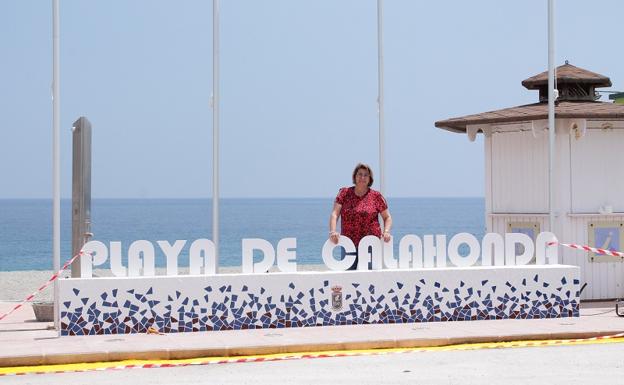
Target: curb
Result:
[[232, 352]]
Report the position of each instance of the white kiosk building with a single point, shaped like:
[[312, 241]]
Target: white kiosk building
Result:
[[589, 188]]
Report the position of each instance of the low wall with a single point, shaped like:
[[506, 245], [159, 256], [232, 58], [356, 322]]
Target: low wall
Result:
[[277, 300]]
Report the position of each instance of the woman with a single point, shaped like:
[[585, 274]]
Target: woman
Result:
[[359, 206]]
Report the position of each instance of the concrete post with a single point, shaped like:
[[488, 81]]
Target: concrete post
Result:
[[81, 189]]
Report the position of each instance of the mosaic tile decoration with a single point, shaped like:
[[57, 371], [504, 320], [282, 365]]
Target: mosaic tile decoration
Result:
[[232, 302]]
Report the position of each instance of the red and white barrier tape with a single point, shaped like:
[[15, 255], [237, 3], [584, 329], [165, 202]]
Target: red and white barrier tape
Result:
[[175, 363], [589, 248], [52, 279], [69, 262]]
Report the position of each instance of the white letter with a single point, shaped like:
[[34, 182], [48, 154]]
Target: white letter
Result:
[[364, 257], [388, 254], [202, 253], [493, 242], [438, 250], [287, 254], [415, 255], [546, 254], [94, 253], [268, 258], [171, 253], [453, 250], [328, 255], [511, 239], [136, 250], [117, 268]]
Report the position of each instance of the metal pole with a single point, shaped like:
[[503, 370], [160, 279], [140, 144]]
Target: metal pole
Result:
[[56, 154], [380, 98], [551, 114], [215, 127]]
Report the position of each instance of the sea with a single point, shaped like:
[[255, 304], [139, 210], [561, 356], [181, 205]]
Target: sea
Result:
[[26, 225]]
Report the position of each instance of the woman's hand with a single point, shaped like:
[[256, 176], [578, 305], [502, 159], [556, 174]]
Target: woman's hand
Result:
[[334, 236], [387, 221]]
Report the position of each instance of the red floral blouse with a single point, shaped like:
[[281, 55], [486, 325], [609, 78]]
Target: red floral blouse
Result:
[[359, 215]]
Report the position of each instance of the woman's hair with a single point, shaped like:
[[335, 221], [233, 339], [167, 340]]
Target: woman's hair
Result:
[[362, 166]]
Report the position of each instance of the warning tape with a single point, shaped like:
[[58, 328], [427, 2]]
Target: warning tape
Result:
[[589, 248], [148, 364], [52, 279], [55, 276]]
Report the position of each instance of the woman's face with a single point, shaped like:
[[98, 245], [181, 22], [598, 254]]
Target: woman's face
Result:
[[362, 177]]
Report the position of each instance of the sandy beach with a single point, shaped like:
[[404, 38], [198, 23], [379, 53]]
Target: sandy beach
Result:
[[17, 285]]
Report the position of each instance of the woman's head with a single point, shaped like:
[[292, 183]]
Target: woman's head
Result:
[[361, 172]]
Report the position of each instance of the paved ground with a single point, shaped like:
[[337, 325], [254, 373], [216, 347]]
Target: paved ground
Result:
[[33, 343], [584, 364]]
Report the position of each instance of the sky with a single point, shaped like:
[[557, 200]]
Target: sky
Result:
[[298, 90]]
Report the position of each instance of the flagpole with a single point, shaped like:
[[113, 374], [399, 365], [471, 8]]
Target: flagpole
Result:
[[551, 114], [380, 97], [56, 160], [215, 127]]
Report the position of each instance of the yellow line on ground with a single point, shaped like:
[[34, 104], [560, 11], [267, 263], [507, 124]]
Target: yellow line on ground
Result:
[[127, 364]]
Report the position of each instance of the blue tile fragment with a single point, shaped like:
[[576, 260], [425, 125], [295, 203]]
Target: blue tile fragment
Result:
[[312, 307]]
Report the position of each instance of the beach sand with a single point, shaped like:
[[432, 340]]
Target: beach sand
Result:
[[17, 285]]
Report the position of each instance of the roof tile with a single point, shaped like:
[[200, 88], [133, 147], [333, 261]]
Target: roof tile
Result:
[[537, 111], [568, 73]]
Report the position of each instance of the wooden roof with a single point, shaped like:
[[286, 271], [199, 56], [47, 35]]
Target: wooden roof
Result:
[[537, 111], [569, 77], [568, 73]]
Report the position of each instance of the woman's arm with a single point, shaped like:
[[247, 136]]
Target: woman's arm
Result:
[[387, 220], [333, 221]]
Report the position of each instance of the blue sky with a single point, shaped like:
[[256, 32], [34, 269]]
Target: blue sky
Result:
[[298, 90]]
